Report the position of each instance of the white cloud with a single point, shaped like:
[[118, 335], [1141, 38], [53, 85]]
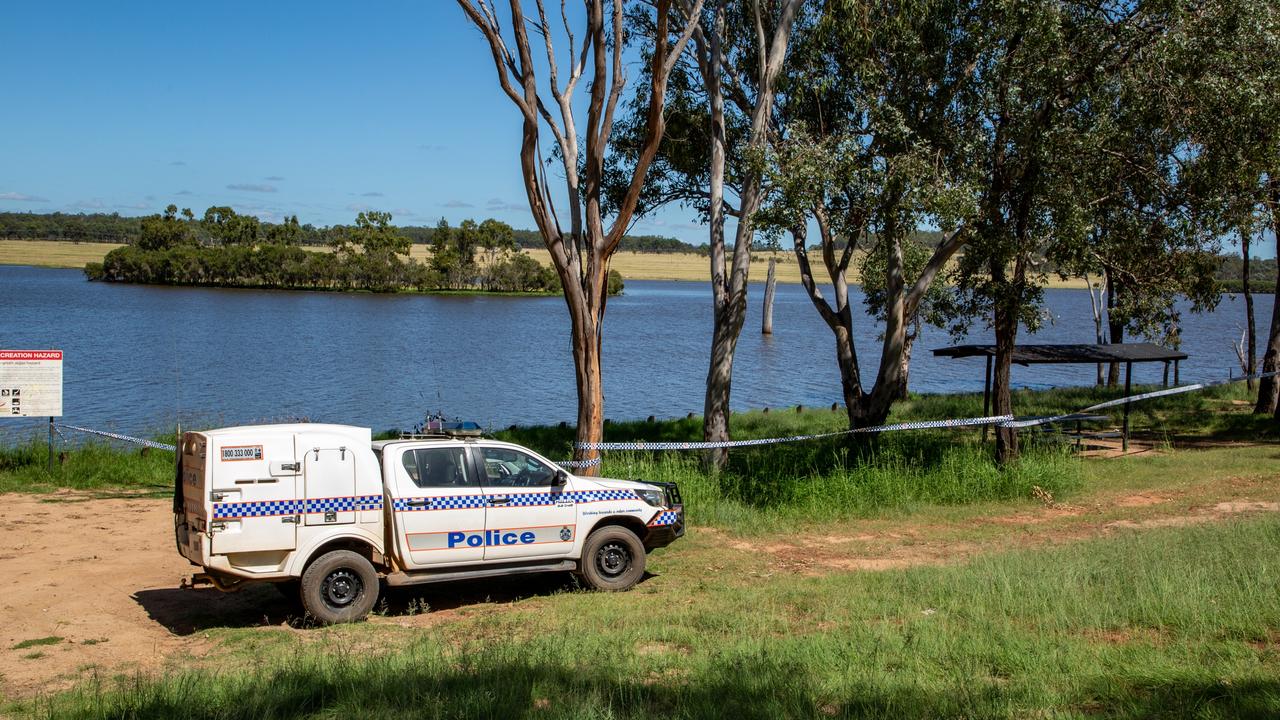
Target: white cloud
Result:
[[371, 194], [184, 192], [458, 204], [94, 204], [22, 197], [273, 178]]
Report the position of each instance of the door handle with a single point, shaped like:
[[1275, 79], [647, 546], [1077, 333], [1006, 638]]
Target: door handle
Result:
[[418, 503], [503, 500]]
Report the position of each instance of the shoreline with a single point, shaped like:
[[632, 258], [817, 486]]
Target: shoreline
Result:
[[673, 267]]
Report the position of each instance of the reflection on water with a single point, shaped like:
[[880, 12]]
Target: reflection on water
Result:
[[141, 358]]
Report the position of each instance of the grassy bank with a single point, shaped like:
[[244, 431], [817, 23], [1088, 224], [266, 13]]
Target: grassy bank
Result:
[[1169, 623]]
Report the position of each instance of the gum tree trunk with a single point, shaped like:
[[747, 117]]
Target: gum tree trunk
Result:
[[1250, 326], [766, 325], [1269, 387]]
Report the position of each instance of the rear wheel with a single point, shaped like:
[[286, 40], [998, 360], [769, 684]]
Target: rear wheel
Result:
[[612, 559], [339, 587]]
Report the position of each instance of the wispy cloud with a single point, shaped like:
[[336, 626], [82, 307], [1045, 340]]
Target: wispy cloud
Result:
[[22, 197], [273, 178], [178, 163], [94, 204], [458, 204], [252, 187], [132, 206], [432, 148], [357, 207], [371, 194], [184, 192], [498, 205]]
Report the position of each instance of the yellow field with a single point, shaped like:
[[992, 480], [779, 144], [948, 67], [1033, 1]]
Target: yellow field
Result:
[[632, 265], [52, 253]]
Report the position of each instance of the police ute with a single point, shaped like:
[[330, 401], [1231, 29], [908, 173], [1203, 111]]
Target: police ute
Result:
[[328, 514]]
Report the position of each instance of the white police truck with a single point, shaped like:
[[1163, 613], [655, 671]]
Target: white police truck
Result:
[[325, 512]]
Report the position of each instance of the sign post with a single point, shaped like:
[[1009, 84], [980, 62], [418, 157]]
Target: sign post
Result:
[[31, 386]]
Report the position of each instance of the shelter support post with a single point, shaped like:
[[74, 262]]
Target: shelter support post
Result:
[[50, 444], [986, 398], [1176, 368], [1166, 373], [1128, 378]]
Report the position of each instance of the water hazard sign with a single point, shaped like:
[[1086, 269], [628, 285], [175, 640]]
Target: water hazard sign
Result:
[[30, 383]]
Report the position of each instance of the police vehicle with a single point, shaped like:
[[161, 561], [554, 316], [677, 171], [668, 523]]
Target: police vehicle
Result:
[[328, 514]]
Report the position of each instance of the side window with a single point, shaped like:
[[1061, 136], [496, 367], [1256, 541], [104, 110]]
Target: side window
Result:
[[512, 468], [437, 467]]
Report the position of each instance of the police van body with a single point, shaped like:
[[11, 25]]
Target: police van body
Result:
[[325, 512]]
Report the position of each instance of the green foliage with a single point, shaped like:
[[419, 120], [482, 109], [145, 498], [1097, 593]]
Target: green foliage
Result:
[[370, 255], [114, 228], [165, 232]]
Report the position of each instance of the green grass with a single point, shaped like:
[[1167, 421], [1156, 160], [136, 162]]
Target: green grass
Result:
[[1178, 622], [51, 640], [93, 467]]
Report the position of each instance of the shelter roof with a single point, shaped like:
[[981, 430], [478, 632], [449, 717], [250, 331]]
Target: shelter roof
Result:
[[1070, 353]]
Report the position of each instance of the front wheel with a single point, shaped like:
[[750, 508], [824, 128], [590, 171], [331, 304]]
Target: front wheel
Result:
[[339, 587], [612, 559]]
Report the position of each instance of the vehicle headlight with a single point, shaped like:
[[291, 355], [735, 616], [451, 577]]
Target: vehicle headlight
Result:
[[656, 498]]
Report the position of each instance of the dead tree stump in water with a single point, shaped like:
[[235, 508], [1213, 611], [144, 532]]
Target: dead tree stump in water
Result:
[[767, 325]]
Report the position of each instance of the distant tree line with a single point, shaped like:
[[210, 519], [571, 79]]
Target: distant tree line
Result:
[[226, 249], [116, 228]]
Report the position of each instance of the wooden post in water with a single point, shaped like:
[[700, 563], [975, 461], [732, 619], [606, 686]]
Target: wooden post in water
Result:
[[766, 327]]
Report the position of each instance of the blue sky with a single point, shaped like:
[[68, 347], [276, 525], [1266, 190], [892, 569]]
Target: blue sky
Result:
[[320, 109]]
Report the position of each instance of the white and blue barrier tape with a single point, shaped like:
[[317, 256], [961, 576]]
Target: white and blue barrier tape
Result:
[[1135, 398], [922, 425], [116, 436], [1008, 421]]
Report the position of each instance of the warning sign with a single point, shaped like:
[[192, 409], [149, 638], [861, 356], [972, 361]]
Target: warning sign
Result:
[[30, 383]]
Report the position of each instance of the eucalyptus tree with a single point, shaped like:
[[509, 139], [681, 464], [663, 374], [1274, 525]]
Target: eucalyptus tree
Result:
[[543, 93], [722, 115], [1042, 65], [875, 144], [1237, 120]]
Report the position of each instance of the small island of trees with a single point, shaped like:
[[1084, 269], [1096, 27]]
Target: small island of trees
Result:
[[227, 249]]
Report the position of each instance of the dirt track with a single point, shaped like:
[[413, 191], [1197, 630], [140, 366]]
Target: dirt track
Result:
[[102, 576]]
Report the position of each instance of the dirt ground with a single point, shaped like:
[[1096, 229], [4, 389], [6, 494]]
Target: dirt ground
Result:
[[96, 582]]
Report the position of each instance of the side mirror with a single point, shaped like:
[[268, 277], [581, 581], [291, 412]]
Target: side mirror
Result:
[[561, 479]]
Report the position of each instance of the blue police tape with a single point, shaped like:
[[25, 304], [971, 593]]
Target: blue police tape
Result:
[[164, 446], [1133, 399], [922, 425], [117, 436], [579, 463]]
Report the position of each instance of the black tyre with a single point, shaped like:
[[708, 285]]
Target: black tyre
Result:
[[612, 559], [339, 587]]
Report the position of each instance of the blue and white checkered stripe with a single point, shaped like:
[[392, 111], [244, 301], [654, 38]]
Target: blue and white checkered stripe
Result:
[[463, 502], [666, 517], [443, 502], [269, 508], [586, 496]]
